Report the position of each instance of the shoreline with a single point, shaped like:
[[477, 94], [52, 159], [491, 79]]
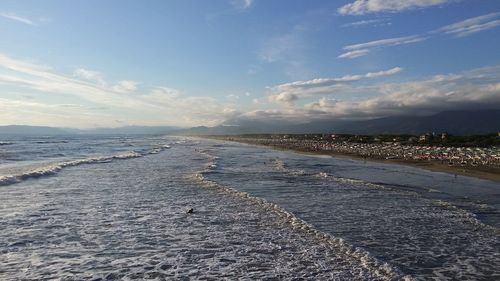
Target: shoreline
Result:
[[486, 173]]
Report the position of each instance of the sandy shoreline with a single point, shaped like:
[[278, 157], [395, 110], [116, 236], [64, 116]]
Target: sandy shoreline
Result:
[[488, 173]]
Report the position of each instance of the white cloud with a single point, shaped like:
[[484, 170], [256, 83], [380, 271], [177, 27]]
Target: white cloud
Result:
[[336, 80], [361, 7], [43, 79], [82, 100], [382, 73], [288, 93], [164, 94], [189, 110], [39, 113], [474, 89], [372, 22], [354, 54], [470, 90], [362, 49], [89, 75], [286, 98], [472, 25], [247, 3], [459, 29], [270, 115], [385, 42], [125, 86], [14, 17], [242, 4]]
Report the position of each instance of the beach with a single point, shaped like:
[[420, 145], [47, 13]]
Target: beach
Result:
[[489, 172], [115, 207]]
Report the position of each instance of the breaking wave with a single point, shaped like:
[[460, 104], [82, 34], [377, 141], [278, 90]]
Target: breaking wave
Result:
[[281, 166], [381, 270], [54, 168]]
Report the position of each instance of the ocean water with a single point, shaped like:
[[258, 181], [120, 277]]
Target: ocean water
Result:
[[110, 208]]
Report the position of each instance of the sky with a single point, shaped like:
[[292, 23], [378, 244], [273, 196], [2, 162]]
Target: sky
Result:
[[93, 63]]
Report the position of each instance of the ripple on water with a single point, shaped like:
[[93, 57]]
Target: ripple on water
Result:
[[127, 220]]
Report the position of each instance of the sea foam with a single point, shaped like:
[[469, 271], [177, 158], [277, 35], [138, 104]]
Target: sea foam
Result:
[[382, 270], [54, 168]]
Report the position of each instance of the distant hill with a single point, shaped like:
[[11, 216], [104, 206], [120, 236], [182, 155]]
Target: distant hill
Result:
[[453, 122], [31, 130], [131, 130], [50, 131]]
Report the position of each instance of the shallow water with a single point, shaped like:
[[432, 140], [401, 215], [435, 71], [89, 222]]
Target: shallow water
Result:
[[402, 215], [258, 214]]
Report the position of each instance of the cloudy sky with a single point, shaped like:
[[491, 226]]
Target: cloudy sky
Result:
[[112, 63]]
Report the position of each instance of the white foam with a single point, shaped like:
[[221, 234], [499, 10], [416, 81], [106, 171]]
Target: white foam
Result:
[[322, 175], [54, 168], [464, 215], [279, 165], [382, 270]]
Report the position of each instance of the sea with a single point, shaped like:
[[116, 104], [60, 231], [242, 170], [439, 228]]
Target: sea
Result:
[[116, 208]]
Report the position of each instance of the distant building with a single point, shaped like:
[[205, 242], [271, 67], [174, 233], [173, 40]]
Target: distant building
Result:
[[424, 137], [444, 136]]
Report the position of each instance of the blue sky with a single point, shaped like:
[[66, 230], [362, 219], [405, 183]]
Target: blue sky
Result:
[[114, 63]]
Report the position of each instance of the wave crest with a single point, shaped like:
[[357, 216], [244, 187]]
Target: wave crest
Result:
[[381, 270], [54, 168]]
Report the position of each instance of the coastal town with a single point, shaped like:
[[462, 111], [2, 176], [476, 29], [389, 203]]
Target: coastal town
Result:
[[448, 150]]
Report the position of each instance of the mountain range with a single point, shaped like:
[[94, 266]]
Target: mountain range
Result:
[[452, 122]]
